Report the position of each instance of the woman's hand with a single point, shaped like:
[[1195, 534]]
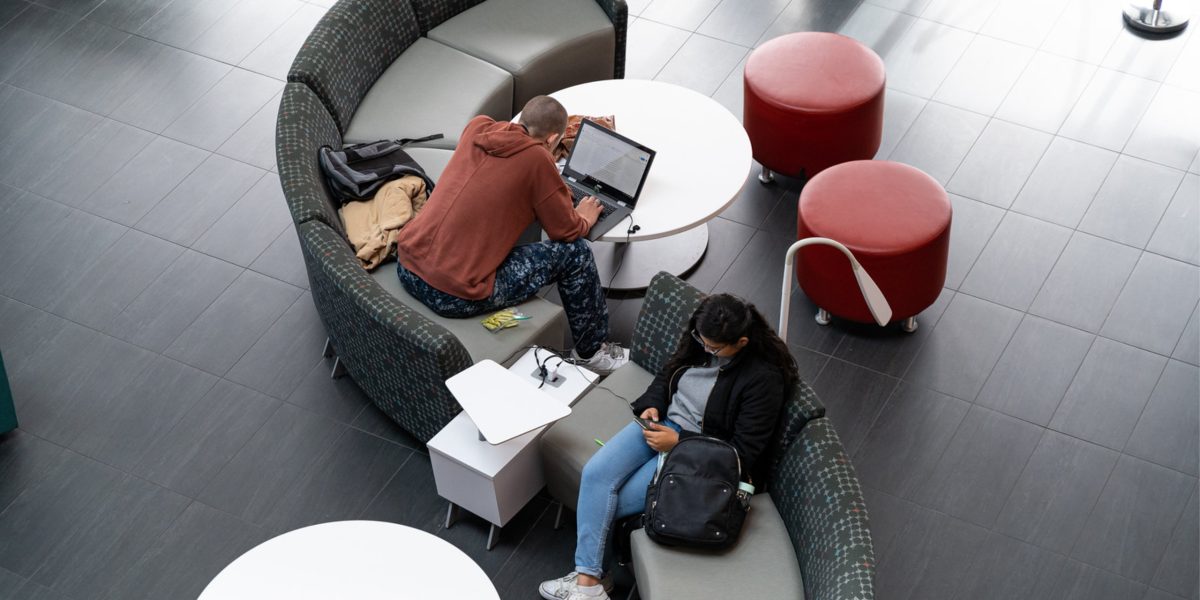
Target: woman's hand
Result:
[[660, 438], [650, 414]]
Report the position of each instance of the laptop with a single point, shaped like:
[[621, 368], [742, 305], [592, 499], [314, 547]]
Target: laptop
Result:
[[609, 166]]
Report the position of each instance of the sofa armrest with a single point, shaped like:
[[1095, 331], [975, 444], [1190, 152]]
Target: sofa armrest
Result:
[[662, 322], [399, 358], [350, 48], [618, 13], [819, 497]]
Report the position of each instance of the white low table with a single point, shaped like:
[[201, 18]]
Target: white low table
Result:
[[495, 481], [703, 159], [364, 560]]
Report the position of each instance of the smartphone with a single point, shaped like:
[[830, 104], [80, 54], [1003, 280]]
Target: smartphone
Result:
[[644, 423]]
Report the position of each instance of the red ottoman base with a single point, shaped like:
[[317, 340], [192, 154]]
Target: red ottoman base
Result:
[[894, 218], [813, 100]]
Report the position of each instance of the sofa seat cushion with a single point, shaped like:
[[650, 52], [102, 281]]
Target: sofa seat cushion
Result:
[[431, 88], [761, 565], [433, 160], [598, 415], [546, 326], [547, 45]]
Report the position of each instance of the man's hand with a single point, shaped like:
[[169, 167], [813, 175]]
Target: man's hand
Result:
[[589, 208], [661, 438], [650, 414]]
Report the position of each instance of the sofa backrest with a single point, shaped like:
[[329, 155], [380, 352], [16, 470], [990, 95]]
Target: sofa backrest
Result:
[[800, 407], [618, 13], [431, 13], [666, 309], [303, 126], [399, 358], [348, 50], [818, 495]]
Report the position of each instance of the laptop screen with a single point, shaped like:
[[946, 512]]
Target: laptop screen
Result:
[[609, 159]]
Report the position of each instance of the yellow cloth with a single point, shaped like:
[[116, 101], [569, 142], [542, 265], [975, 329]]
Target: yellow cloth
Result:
[[372, 225]]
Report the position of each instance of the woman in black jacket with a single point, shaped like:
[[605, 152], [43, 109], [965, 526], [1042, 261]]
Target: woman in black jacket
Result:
[[726, 380]]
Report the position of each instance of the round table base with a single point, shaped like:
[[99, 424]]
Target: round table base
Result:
[[636, 263], [1144, 18]]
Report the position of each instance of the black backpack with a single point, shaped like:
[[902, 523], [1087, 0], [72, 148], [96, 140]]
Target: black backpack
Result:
[[357, 172], [694, 499]]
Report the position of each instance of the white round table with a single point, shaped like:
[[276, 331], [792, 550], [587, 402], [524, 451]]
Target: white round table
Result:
[[703, 158], [362, 560]]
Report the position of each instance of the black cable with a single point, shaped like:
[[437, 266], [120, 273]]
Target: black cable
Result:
[[628, 234]]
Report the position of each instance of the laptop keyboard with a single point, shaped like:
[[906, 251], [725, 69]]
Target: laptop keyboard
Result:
[[577, 195]]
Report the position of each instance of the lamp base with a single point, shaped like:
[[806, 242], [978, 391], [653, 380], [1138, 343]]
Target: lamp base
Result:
[[1145, 19]]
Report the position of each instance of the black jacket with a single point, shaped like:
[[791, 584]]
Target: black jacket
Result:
[[742, 409]]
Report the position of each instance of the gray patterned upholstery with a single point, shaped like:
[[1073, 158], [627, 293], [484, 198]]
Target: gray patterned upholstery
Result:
[[800, 407], [302, 127], [818, 496], [666, 309], [431, 13], [349, 48], [618, 13], [399, 358]]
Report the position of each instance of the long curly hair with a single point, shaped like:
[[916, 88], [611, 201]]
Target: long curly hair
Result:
[[724, 318]]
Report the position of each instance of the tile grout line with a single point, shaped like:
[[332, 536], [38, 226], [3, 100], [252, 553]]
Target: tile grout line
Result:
[[241, 356]]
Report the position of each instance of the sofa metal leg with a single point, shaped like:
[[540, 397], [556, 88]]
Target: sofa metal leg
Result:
[[909, 325], [765, 176], [823, 317], [338, 370], [493, 534], [328, 350], [558, 517], [451, 514]]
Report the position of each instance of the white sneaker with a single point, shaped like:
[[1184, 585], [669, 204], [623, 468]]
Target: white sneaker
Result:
[[607, 359], [563, 588], [581, 595]]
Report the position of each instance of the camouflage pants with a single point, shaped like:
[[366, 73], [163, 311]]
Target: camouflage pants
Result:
[[527, 269]]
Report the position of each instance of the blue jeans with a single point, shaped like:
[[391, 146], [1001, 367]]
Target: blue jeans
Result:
[[527, 269], [613, 486]]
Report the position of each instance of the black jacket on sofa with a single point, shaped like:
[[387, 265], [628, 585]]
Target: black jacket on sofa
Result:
[[743, 407]]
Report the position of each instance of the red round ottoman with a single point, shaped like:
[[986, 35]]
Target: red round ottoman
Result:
[[894, 218], [812, 100]]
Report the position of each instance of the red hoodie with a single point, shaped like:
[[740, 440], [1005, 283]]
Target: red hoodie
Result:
[[498, 181]]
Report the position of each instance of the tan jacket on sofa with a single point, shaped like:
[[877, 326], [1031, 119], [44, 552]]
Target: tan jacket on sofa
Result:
[[372, 225]]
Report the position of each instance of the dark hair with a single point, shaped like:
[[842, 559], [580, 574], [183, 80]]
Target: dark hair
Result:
[[724, 318], [543, 115]]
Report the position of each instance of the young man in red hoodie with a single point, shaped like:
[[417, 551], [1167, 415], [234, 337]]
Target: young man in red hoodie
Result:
[[457, 255]]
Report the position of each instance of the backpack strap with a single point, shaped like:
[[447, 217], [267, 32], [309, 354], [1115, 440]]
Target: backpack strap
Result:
[[428, 138]]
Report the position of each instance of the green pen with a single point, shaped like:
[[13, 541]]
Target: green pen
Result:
[[598, 442]]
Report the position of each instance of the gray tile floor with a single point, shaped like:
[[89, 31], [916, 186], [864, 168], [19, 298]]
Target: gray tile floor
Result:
[[1037, 437]]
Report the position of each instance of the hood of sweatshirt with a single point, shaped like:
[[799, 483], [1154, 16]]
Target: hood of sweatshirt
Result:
[[504, 139]]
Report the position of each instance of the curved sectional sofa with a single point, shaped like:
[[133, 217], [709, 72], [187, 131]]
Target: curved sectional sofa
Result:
[[380, 69], [394, 69]]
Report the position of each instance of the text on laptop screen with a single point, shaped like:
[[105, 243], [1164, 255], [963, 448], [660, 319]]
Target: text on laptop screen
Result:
[[609, 160]]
